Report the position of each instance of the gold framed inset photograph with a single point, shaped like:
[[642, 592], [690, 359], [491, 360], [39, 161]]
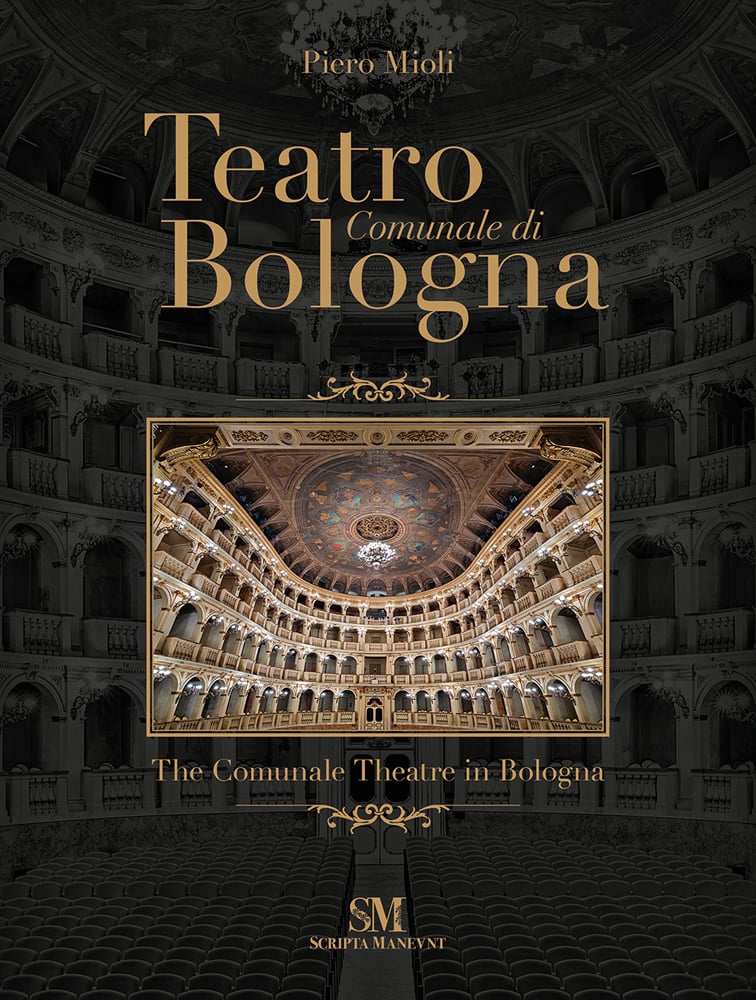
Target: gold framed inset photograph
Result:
[[411, 576]]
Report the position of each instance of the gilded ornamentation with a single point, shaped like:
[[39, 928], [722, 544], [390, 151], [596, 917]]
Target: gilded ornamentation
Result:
[[248, 437], [363, 390], [422, 437], [390, 815], [377, 527], [332, 436], [205, 449], [568, 453], [509, 437]]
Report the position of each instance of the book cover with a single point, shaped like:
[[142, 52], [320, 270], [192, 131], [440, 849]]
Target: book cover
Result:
[[378, 475]]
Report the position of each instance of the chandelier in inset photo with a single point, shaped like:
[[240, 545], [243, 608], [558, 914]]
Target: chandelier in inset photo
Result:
[[376, 554], [367, 31]]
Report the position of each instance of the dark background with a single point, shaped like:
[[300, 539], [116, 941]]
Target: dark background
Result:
[[632, 126]]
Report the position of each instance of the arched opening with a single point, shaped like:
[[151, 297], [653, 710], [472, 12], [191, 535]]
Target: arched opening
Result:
[[325, 701], [116, 188], [189, 704], [236, 698], [647, 570], [163, 696], [401, 665], [349, 665], [653, 727], [107, 308], [541, 634], [482, 702], [346, 701], [439, 664], [110, 727], [519, 642], [402, 702], [185, 623], [213, 702], [567, 626], [26, 573], [561, 703], [590, 689], [465, 702], [443, 701], [28, 736], [305, 701], [540, 707], [284, 698], [423, 701], [266, 701], [641, 187], [109, 574], [212, 633], [513, 696], [732, 726]]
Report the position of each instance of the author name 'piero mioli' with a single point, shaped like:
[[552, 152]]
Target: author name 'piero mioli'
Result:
[[405, 62]]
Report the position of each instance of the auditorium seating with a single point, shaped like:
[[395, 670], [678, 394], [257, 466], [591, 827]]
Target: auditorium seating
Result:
[[188, 921], [545, 920]]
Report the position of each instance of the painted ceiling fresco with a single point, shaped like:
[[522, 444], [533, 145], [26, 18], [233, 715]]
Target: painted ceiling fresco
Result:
[[435, 510]]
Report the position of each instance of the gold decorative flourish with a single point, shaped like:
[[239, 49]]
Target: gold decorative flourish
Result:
[[332, 437], [363, 390], [389, 814], [509, 437], [248, 437], [419, 437]]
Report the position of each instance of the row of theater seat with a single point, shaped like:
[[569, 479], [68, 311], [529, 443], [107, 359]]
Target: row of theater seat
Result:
[[511, 935], [188, 921]]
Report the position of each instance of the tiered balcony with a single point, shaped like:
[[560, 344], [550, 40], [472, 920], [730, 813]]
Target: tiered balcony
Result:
[[194, 371], [717, 332], [37, 632], [643, 487], [638, 354], [721, 631], [38, 335], [116, 353], [644, 636], [116, 638], [269, 379], [563, 369], [110, 488], [487, 378], [719, 471], [42, 475]]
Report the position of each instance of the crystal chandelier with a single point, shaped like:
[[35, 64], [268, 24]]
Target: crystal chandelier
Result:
[[376, 554], [376, 34]]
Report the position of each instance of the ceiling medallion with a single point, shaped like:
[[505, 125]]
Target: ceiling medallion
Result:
[[377, 527], [386, 48]]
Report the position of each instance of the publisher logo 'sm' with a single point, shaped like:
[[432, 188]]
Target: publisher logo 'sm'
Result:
[[368, 914]]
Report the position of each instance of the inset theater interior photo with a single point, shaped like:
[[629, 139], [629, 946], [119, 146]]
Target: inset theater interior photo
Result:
[[449, 579]]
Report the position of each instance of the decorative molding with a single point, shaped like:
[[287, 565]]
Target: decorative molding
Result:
[[248, 437], [330, 436]]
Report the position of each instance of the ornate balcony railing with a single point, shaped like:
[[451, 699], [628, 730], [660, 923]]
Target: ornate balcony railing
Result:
[[198, 372], [563, 369], [719, 471], [641, 353], [643, 487], [42, 475]]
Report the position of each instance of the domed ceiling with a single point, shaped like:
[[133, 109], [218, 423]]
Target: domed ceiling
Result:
[[198, 53], [435, 511]]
